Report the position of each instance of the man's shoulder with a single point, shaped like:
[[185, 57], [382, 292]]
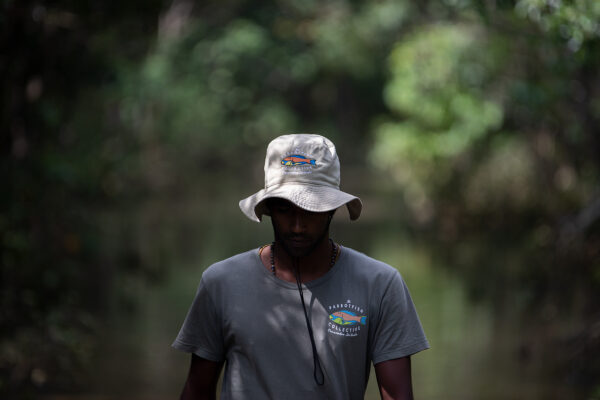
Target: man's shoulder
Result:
[[362, 263], [224, 268]]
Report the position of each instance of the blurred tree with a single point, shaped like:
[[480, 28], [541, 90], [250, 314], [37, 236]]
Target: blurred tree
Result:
[[441, 91], [54, 55], [493, 136], [105, 104], [487, 119], [224, 83]]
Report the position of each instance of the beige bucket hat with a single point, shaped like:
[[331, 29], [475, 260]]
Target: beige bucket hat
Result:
[[305, 170]]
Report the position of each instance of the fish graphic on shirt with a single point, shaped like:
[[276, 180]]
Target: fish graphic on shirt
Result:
[[296, 159], [345, 317]]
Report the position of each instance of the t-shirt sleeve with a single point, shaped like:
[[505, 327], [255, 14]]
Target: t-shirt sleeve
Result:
[[201, 332], [398, 332]]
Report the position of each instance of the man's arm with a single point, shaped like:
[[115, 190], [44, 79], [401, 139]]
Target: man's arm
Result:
[[202, 379], [394, 379]]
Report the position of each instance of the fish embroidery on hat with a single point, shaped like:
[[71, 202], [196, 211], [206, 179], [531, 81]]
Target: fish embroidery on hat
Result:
[[296, 159], [296, 162]]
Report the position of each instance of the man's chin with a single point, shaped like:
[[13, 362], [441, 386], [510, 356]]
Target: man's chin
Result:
[[297, 249]]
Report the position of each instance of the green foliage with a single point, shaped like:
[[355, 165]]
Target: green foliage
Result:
[[492, 137], [52, 276], [454, 87], [505, 179], [438, 81], [576, 21], [440, 89], [485, 115], [211, 93], [104, 107], [196, 95]]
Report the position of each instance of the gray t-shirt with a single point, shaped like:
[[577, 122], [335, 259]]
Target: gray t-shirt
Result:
[[360, 310]]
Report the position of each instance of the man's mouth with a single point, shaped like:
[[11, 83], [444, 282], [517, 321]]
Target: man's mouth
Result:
[[298, 241]]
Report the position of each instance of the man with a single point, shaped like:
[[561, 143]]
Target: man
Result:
[[303, 317]]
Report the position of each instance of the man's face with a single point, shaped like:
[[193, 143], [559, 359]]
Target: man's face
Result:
[[297, 230]]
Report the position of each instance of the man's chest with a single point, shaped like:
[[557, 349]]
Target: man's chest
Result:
[[275, 320]]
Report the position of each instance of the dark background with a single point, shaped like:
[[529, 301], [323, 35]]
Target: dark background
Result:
[[129, 131]]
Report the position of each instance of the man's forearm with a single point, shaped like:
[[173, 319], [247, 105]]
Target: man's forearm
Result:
[[201, 383]]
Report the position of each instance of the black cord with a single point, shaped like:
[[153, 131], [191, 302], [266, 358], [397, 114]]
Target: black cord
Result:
[[317, 370]]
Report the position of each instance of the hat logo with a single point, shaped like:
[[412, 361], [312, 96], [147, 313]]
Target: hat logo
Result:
[[296, 159]]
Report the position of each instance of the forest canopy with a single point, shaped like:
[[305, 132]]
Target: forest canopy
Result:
[[484, 116]]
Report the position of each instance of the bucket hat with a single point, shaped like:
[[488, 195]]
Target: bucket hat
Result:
[[305, 170]]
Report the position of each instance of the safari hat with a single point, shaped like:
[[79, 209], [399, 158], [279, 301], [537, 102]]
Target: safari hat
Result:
[[305, 170]]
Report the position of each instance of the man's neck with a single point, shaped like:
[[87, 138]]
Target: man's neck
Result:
[[311, 266]]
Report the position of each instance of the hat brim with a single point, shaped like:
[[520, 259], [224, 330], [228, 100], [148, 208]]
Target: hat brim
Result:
[[316, 198]]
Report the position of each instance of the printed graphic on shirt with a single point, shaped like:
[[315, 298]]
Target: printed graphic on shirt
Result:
[[346, 319]]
